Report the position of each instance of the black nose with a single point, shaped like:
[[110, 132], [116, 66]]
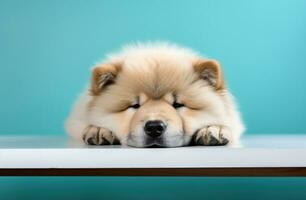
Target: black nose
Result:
[[154, 128]]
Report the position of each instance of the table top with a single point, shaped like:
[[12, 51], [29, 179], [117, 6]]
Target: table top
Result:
[[58, 152]]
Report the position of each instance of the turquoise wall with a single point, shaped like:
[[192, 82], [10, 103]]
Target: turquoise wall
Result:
[[48, 47], [152, 188]]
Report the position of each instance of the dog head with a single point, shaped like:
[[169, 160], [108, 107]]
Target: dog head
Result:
[[156, 97]]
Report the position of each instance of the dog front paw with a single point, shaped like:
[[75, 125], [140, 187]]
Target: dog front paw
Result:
[[93, 135], [212, 136]]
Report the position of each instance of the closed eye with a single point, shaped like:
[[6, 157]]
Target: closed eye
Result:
[[135, 106], [177, 105]]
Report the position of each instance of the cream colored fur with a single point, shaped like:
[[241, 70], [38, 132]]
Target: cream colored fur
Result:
[[153, 74]]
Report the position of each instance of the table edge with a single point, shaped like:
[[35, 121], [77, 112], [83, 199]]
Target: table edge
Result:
[[241, 171]]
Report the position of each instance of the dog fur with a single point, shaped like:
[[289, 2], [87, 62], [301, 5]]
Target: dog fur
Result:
[[156, 81]]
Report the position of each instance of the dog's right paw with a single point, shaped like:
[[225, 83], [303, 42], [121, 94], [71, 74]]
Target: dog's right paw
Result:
[[93, 135]]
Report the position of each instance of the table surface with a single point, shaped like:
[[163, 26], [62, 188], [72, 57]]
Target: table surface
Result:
[[53, 154]]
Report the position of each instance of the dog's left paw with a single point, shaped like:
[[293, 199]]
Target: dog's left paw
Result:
[[212, 136]]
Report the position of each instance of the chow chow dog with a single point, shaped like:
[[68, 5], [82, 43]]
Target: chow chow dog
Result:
[[156, 95]]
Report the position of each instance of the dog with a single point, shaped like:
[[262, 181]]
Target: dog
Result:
[[156, 95]]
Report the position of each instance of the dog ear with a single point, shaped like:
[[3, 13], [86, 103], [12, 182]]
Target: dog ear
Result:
[[102, 76], [210, 71]]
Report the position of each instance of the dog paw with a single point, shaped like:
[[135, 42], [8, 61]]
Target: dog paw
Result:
[[93, 135], [212, 136]]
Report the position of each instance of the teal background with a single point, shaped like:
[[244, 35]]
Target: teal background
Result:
[[152, 188], [47, 48]]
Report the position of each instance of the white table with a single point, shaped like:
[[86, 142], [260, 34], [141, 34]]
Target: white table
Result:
[[260, 155]]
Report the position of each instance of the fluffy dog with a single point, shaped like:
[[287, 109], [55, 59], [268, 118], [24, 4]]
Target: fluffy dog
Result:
[[156, 94]]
